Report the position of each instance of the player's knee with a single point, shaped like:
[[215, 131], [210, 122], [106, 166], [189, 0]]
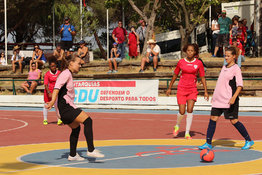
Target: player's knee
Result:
[[214, 118], [88, 121], [233, 121]]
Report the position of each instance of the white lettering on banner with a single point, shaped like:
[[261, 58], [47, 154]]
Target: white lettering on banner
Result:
[[116, 91]]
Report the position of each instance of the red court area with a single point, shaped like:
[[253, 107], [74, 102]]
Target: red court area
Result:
[[25, 127]]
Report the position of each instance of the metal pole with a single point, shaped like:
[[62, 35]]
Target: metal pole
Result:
[[81, 20], [107, 34], [5, 31], [210, 15], [123, 15], [54, 25]]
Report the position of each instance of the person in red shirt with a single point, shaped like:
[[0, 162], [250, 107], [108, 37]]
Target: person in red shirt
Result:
[[49, 82], [120, 35], [133, 41], [187, 88]]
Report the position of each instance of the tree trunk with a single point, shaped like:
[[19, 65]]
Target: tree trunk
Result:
[[149, 31], [100, 46]]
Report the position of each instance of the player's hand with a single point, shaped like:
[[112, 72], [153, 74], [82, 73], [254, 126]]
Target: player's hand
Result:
[[232, 101], [206, 96], [49, 105], [168, 92]]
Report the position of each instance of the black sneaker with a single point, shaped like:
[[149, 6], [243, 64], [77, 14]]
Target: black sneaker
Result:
[[154, 69], [141, 71]]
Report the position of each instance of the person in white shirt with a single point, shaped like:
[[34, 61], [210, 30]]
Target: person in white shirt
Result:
[[152, 55], [17, 59], [215, 31], [2, 59]]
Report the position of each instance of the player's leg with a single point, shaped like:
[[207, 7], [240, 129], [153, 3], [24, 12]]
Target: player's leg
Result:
[[88, 132], [181, 101], [215, 113], [242, 130], [45, 111], [189, 118], [59, 121]]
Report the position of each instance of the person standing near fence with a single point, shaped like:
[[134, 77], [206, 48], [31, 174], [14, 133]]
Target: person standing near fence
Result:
[[120, 35], [141, 31], [67, 32], [49, 82]]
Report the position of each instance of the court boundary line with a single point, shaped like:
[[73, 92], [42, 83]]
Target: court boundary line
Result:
[[12, 129]]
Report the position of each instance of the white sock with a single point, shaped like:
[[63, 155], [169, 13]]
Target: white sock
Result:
[[45, 113], [189, 120], [179, 118]]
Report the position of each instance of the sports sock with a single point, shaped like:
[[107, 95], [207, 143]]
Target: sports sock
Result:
[[179, 119], [88, 131], [189, 119], [45, 111], [73, 140], [210, 131], [242, 130]]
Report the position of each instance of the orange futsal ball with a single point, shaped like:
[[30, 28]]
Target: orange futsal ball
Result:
[[207, 155]]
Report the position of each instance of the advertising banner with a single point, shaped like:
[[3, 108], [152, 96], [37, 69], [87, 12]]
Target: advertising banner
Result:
[[116, 91]]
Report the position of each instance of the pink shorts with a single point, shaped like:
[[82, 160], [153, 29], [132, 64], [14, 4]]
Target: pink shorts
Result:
[[183, 96]]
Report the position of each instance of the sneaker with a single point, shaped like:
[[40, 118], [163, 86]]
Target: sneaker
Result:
[[76, 157], [188, 137], [110, 72], [154, 69], [114, 71], [59, 122], [175, 132], [45, 122], [206, 145], [141, 71], [96, 153], [248, 144], [213, 55]]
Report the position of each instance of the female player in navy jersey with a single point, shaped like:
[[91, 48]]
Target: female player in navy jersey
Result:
[[63, 95], [225, 99], [187, 88]]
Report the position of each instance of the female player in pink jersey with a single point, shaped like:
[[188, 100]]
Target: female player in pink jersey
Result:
[[225, 99], [49, 82], [63, 95], [187, 88]]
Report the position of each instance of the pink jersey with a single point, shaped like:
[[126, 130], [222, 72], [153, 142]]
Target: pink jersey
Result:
[[33, 75], [228, 81], [50, 79], [64, 82], [188, 77]]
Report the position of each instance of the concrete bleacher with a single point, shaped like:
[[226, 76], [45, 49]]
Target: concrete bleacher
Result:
[[128, 69]]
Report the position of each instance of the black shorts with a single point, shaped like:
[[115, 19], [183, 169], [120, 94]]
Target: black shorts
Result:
[[67, 112], [229, 113], [66, 45]]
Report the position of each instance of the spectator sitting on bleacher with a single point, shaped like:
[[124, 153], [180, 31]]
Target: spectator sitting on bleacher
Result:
[[34, 74], [70, 52], [17, 60], [83, 51], [152, 55], [59, 53], [115, 57], [38, 56], [2, 59]]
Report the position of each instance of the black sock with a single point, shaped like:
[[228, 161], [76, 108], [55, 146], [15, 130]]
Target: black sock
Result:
[[242, 130], [211, 130], [88, 130], [73, 140]]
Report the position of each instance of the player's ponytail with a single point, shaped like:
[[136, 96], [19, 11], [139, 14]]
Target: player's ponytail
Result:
[[67, 60]]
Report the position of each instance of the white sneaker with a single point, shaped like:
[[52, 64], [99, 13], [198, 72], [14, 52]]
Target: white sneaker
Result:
[[76, 157], [95, 153]]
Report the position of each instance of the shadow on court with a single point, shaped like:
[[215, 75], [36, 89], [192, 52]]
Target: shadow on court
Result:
[[17, 166], [81, 153], [225, 142], [192, 133]]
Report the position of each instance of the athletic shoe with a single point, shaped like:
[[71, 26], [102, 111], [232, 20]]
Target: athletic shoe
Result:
[[76, 157], [114, 71], [59, 122], [96, 153], [248, 144], [175, 132], [154, 69], [206, 145], [141, 71], [213, 55], [188, 137], [45, 122], [110, 72]]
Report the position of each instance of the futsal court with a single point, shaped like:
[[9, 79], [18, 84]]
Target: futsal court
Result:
[[133, 141]]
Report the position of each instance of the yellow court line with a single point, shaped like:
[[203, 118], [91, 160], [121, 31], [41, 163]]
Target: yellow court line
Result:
[[9, 160]]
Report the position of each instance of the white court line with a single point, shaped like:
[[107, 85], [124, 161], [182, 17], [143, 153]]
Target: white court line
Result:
[[25, 124]]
